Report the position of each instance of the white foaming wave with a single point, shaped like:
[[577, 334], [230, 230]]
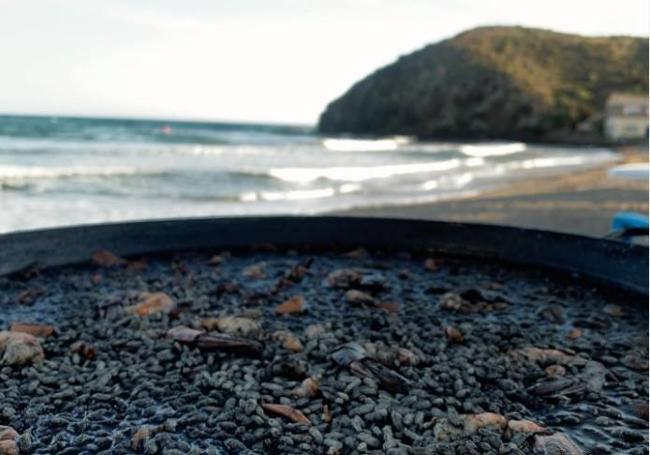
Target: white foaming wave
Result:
[[559, 161], [430, 147], [41, 146], [360, 173], [56, 145], [15, 172], [294, 195], [474, 162], [348, 188], [199, 150], [217, 150], [248, 197], [450, 181], [430, 185], [365, 145], [299, 195], [484, 150]]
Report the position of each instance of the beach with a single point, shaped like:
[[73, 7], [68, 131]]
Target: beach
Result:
[[581, 202]]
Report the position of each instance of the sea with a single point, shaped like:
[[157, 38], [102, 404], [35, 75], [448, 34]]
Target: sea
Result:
[[57, 171]]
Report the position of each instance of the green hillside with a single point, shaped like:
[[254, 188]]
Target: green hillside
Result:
[[493, 82]]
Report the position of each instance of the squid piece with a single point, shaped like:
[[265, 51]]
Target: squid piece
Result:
[[592, 378], [213, 341], [354, 357]]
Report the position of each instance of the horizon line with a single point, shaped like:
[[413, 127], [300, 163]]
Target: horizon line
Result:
[[160, 119]]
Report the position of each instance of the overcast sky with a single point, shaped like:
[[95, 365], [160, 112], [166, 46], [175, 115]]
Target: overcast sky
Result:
[[247, 60]]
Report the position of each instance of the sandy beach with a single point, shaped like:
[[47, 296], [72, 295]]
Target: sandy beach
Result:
[[582, 202]]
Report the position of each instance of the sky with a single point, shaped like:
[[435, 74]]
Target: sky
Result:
[[275, 61]]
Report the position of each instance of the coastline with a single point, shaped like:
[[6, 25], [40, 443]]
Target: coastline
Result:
[[579, 202]]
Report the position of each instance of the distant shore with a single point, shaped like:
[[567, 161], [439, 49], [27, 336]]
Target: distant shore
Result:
[[581, 202]]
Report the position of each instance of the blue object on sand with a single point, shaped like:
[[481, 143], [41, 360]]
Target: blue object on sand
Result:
[[627, 220], [630, 227]]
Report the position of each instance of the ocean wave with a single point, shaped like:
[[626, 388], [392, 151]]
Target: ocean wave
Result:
[[299, 195], [448, 182], [348, 188], [360, 173], [235, 150], [485, 150], [17, 172], [562, 161], [365, 145], [44, 146], [293, 195]]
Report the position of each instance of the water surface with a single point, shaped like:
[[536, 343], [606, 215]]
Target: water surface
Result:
[[60, 171]]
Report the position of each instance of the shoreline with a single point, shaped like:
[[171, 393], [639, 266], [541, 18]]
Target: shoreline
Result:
[[579, 202]]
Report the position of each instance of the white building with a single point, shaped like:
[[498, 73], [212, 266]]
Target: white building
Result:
[[626, 116]]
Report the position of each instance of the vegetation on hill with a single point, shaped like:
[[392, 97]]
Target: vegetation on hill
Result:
[[493, 82]]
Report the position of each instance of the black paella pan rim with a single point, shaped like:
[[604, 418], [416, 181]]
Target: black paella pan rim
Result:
[[615, 263]]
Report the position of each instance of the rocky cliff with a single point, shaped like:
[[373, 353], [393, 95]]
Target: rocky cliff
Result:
[[493, 82]]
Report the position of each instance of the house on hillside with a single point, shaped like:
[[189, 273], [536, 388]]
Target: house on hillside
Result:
[[626, 117]]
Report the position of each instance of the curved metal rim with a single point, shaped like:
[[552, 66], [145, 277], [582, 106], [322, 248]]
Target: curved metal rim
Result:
[[616, 263]]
